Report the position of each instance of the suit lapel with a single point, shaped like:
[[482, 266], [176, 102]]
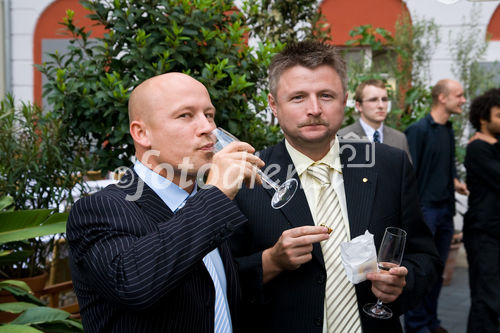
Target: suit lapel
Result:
[[360, 182], [137, 190], [358, 129], [296, 211], [388, 138]]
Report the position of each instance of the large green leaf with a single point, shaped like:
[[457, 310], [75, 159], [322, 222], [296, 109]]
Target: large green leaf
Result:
[[21, 294], [18, 283], [6, 201], [9, 257], [21, 219], [31, 232], [39, 315], [62, 326], [15, 307], [18, 329]]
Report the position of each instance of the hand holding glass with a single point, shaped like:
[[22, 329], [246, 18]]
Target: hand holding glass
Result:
[[390, 254], [283, 193]]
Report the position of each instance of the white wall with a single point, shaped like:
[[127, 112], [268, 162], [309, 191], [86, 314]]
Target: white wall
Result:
[[24, 16], [452, 19]]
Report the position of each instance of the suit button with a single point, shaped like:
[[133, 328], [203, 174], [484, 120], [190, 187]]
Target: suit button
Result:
[[230, 226], [318, 321], [321, 279]]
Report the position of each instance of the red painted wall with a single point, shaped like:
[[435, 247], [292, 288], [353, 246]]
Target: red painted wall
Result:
[[494, 25], [344, 15], [48, 26]]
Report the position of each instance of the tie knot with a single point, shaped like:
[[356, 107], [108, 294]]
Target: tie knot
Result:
[[376, 136], [321, 172]]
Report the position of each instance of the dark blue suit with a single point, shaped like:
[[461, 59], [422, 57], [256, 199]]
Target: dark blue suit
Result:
[[137, 267], [379, 196]]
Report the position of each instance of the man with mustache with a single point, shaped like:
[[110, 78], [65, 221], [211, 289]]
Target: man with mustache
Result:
[[149, 253], [291, 273]]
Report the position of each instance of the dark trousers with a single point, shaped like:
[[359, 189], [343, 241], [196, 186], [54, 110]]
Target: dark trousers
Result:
[[423, 318], [483, 255]]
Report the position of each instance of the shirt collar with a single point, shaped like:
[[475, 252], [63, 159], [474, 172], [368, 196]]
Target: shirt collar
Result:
[[302, 162], [171, 194], [369, 130], [433, 122]]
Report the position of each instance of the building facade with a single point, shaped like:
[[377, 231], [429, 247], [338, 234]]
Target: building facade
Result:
[[30, 29]]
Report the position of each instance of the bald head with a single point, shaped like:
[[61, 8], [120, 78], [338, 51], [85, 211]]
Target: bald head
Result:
[[150, 94], [442, 87], [170, 115], [448, 97]]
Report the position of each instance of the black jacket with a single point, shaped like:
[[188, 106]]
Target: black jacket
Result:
[[137, 267], [378, 196], [482, 162]]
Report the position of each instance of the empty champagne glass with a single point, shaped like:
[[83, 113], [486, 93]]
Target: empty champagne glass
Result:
[[390, 254], [283, 193]]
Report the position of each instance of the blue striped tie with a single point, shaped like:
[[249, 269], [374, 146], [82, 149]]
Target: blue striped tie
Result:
[[222, 322], [376, 137]]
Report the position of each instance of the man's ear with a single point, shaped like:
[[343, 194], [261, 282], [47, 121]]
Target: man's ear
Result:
[[140, 133], [357, 106], [483, 123], [442, 98], [272, 104]]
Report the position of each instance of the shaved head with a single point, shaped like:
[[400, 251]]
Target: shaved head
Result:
[[148, 95], [171, 119]]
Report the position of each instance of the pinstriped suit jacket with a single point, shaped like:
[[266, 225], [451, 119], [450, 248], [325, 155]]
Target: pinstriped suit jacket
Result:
[[378, 196], [137, 267]]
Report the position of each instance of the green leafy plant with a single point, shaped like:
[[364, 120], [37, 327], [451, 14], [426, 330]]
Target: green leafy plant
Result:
[[403, 60], [286, 21], [23, 250], [34, 315], [40, 164], [467, 51], [88, 86]]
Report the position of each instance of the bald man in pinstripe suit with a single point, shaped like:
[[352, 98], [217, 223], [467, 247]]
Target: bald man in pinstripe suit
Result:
[[149, 254]]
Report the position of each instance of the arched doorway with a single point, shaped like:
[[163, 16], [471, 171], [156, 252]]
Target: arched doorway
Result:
[[50, 35], [493, 29], [344, 15]]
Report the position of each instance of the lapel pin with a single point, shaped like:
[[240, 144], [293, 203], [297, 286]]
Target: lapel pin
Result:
[[365, 180]]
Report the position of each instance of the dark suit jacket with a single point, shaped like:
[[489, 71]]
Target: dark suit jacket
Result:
[[392, 137], [136, 267], [293, 301], [482, 163]]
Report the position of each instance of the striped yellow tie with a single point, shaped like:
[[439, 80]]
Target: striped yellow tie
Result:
[[342, 313]]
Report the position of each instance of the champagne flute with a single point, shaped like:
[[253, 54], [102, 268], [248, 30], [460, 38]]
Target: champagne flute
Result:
[[390, 254], [283, 193]]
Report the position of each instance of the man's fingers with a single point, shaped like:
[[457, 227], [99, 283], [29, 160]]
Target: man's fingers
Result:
[[305, 230], [310, 239], [239, 146], [401, 271]]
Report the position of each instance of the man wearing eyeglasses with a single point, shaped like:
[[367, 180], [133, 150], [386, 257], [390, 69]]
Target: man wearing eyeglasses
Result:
[[372, 103]]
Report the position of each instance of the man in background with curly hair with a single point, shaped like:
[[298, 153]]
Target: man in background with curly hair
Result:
[[482, 220]]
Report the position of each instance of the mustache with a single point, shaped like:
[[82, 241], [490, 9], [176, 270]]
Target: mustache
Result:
[[314, 121]]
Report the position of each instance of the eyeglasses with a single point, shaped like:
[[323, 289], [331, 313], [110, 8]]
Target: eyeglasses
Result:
[[374, 100]]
